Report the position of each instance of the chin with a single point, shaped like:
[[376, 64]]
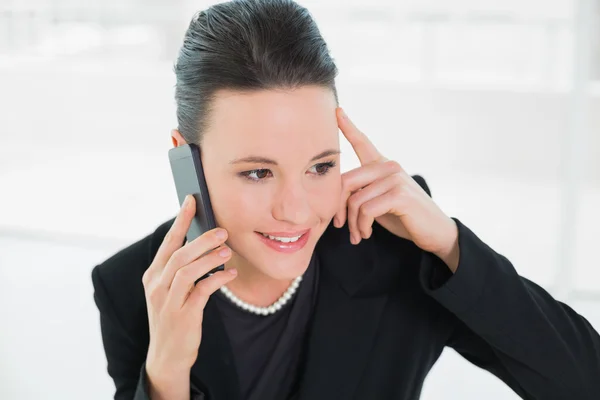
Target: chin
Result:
[[280, 266], [281, 269]]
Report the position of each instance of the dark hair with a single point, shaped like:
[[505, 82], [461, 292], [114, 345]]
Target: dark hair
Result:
[[247, 45]]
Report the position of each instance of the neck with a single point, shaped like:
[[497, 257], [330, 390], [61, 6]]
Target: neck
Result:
[[254, 287]]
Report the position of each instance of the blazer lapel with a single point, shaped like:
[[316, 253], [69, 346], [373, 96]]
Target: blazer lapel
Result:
[[215, 358], [339, 343], [351, 299]]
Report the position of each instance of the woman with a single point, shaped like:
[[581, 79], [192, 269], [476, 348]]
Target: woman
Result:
[[335, 286]]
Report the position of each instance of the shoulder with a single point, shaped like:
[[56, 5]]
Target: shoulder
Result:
[[117, 281]]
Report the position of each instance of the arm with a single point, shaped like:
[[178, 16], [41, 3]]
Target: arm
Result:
[[512, 327]]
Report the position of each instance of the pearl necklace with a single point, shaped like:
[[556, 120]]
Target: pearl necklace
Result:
[[273, 308]]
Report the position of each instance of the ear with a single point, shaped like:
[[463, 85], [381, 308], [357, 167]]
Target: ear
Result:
[[176, 138]]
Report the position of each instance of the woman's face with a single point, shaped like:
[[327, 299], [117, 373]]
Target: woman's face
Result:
[[271, 160]]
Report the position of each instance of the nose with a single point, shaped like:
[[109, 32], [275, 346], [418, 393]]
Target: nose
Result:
[[292, 204]]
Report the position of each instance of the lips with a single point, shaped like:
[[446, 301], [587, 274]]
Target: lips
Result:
[[284, 247]]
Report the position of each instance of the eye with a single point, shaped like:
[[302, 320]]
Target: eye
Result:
[[256, 174], [323, 168]]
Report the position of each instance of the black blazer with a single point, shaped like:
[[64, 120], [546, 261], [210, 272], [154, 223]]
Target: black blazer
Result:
[[385, 311]]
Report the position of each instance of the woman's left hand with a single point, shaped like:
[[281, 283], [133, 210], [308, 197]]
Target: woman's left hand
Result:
[[380, 190]]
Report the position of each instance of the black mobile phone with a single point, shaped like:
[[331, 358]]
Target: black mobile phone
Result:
[[188, 174]]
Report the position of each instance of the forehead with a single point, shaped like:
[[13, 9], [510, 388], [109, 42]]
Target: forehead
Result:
[[268, 118]]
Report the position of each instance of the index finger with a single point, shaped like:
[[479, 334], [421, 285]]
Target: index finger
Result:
[[364, 149], [175, 237]]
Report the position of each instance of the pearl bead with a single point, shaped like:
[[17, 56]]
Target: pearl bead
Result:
[[278, 305]]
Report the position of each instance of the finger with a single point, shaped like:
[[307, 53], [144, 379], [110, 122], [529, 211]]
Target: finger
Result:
[[364, 149], [358, 178], [204, 289], [190, 252], [360, 227], [377, 207], [184, 278], [175, 237]]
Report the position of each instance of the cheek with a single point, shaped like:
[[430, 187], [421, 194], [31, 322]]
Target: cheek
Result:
[[327, 199], [238, 207]]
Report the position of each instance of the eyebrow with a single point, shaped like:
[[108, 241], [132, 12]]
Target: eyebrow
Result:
[[264, 160]]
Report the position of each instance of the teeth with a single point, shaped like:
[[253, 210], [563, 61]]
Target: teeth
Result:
[[282, 239]]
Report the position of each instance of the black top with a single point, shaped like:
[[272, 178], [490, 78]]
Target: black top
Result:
[[385, 311], [267, 350]]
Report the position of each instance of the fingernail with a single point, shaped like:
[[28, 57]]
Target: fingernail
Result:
[[232, 271], [186, 201], [352, 239], [224, 252], [343, 113], [221, 233]]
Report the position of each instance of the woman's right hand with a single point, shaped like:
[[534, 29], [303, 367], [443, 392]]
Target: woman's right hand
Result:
[[175, 305]]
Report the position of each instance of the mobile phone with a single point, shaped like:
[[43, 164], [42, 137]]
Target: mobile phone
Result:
[[188, 174]]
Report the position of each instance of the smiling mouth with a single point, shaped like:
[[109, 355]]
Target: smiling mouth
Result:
[[283, 239], [286, 242]]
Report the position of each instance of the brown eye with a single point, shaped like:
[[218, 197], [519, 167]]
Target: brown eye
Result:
[[262, 173], [256, 175], [323, 168]]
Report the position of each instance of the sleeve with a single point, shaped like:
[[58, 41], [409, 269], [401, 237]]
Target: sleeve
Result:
[[126, 359], [511, 327]]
